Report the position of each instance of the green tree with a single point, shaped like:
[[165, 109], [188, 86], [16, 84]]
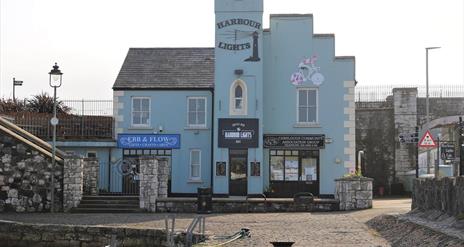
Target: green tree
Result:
[[9, 105], [43, 103]]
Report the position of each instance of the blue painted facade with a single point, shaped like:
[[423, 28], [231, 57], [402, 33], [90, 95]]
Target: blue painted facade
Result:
[[266, 64], [168, 115]]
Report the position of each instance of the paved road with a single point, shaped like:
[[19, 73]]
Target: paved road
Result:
[[305, 229]]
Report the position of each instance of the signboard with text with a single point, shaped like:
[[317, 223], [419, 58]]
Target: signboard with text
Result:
[[238, 133], [294, 141], [447, 151], [149, 141]]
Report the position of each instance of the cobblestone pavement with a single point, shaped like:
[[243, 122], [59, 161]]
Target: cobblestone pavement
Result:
[[305, 229]]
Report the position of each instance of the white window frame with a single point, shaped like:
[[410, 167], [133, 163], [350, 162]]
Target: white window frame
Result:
[[191, 165], [232, 109], [188, 111], [298, 105], [132, 111]]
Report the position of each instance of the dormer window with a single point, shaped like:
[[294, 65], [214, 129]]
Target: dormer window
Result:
[[238, 98]]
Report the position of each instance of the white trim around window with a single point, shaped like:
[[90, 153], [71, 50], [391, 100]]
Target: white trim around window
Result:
[[195, 165], [238, 104], [140, 112], [307, 111], [197, 113]]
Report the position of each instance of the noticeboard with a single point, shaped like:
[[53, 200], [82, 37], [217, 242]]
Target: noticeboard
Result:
[[447, 151]]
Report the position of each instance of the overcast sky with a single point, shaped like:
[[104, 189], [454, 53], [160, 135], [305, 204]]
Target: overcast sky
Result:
[[89, 38]]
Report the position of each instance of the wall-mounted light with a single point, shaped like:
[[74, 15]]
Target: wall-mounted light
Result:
[[238, 72], [160, 128], [328, 140]]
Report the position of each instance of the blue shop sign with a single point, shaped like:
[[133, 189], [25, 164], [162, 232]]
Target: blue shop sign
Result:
[[155, 141]]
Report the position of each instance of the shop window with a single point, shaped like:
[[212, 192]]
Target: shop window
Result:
[[141, 111], [195, 164], [293, 165], [277, 168], [238, 98], [307, 110], [308, 169], [196, 112]]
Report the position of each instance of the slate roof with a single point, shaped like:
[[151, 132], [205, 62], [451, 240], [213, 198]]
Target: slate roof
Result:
[[158, 68]]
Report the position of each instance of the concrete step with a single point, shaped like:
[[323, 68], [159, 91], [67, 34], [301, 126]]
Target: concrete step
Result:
[[93, 205], [108, 204], [134, 198], [106, 210], [118, 202]]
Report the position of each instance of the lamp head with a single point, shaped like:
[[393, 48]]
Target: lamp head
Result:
[[55, 76]]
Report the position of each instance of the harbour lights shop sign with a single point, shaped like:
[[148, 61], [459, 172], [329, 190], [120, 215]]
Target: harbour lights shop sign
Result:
[[238, 133], [237, 40]]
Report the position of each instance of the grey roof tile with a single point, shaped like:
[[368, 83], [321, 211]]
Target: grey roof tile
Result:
[[152, 68]]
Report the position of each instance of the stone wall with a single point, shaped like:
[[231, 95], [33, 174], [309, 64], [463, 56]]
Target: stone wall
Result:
[[154, 175], [445, 194], [439, 107], [405, 115], [354, 192], [254, 205], [375, 134], [73, 182], [91, 172], [22, 234], [378, 125], [25, 178]]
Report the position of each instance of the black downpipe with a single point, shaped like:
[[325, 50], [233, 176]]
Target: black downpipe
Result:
[[212, 139]]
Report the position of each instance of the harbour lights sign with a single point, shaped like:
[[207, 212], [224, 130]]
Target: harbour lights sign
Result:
[[238, 133], [242, 40], [152, 141]]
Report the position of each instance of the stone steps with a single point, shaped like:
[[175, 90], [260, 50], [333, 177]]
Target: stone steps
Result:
[[108, 204], [106, 210]]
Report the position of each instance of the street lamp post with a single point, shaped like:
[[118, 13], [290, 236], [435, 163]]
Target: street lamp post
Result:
[[427, 109], [16, 83], [55, 82]]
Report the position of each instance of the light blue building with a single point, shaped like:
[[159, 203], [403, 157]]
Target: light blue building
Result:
[[265, 110]]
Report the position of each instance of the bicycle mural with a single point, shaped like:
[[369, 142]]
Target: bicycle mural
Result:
[[307, 72]]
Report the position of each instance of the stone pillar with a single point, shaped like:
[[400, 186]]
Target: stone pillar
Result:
[[73, 180], [163, 176], [148, 182], [405, 117], [91, 171], [354, 192]]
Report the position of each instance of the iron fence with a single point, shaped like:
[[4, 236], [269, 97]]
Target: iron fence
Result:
[[87, 119], [90, 107], [380, 93], [69, 126]]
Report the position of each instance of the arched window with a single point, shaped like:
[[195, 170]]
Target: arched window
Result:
[[238, 98]]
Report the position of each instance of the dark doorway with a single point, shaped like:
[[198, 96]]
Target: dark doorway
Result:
[[238, 159]]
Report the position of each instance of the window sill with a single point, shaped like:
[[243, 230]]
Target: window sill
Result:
[[307, 125], [195, 181], [196, 128], [140, 128]]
